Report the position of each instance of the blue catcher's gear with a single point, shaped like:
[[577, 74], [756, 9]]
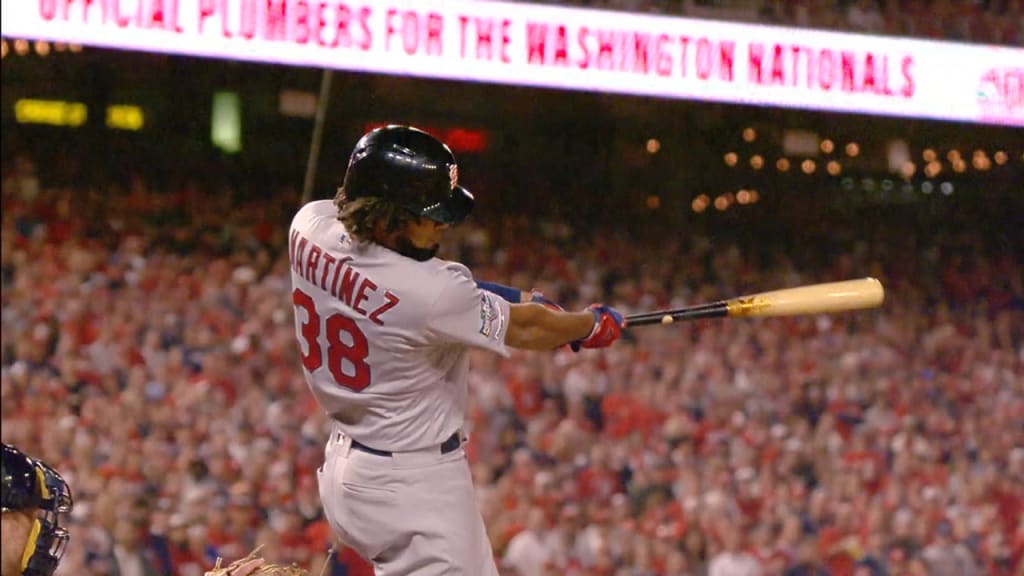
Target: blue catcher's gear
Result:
[[33, 487]]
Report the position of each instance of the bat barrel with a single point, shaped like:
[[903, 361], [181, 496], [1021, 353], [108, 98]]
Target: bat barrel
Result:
[[812, 299]]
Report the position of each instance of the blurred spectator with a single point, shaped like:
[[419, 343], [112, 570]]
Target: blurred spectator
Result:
[[807, 562], [732, 559], [529, 552], [945, 556], [864, 16], [130, 556]]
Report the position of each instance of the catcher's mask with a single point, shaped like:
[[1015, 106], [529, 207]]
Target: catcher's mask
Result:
[[33, 487]]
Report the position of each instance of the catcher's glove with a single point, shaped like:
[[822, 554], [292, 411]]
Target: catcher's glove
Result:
[[254, 565]]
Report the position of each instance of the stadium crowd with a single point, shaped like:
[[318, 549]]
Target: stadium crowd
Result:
[[981, 21], [148, 353]]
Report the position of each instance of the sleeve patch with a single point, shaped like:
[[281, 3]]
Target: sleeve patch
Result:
[[491, 318]]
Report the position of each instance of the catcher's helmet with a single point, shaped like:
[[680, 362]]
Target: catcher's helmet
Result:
[[33, 487], [410, 168]]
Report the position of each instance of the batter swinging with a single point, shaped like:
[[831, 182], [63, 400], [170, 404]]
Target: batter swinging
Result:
[[384, 329]]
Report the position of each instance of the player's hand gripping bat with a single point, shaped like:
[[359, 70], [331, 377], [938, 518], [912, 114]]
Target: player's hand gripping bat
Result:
[[811, 299]]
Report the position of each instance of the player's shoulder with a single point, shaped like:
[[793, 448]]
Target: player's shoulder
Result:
[[449, 290], [455, 270], [436, 279], [446, 275], [312, 212]]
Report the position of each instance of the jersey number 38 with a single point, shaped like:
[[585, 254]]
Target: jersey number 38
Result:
[[337, 350]]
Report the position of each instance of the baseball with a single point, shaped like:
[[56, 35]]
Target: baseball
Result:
[[666, 319]]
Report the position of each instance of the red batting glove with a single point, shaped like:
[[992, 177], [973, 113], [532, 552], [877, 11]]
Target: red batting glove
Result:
[[608, 325]]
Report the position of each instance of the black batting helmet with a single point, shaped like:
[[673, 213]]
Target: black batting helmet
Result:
[[411, 168], [33, 487]]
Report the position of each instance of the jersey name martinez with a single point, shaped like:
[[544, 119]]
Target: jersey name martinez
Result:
[[336, 277]]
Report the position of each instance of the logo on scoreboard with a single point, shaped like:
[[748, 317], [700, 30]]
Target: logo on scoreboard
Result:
[[1001, 95]]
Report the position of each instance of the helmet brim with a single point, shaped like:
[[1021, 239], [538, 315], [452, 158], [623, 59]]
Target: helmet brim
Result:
[[452, 210]]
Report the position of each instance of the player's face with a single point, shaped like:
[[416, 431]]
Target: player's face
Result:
[[420, 239], [426, 233]]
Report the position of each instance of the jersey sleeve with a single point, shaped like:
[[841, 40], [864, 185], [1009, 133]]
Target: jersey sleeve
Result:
[[467, 315]]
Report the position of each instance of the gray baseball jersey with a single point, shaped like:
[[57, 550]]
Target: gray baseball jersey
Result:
[[384, 339]]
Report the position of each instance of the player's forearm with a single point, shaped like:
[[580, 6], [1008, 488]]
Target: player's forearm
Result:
[[535, 327]]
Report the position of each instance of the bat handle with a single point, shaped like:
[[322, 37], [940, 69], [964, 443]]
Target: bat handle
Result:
[[712, 310]]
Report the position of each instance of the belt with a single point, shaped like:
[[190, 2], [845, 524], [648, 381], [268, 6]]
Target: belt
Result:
[[449, 445]]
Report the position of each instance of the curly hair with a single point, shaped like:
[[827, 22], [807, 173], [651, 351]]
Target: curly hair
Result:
[[362, 215]]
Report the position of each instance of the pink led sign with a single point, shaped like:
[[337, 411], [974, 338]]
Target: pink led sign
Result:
[[558, 47]]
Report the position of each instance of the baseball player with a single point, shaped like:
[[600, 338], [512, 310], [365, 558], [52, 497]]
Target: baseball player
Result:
[[383, 330], [35, 501]]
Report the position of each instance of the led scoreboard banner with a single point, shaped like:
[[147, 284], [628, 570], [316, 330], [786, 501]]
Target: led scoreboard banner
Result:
[[559, 47]]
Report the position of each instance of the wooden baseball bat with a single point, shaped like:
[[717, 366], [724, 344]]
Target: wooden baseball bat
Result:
[[811, 299]]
